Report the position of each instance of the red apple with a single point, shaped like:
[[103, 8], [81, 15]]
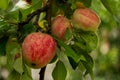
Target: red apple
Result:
[[60, 25], [86, 19], [38, 49]]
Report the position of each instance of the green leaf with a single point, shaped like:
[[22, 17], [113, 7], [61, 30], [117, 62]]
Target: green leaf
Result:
[[14, 76], [68, 34], [36, 4], [3, 42], [4, 4], [87, 3], [3, 28], [59, 72], [85, 41], [89, 68], [88, 59], [60, 6], [12, 49], [25, 30], [20, 16], [18, 59], [13, 14], [112, 7], [71, 73], [68, 50], [26, 74], [6, 29], [73, 63]]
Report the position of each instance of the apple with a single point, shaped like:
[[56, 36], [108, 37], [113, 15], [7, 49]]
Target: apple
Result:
[[85, 19], [59, 26], [38, 49]]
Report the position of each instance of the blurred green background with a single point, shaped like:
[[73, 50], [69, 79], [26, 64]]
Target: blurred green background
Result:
[[107, 55]]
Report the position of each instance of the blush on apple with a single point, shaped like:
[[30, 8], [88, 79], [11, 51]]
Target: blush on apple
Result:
[[38, 49], [85, 19], [59, 26]]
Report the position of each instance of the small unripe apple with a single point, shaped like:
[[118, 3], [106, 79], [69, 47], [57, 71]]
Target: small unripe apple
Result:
[[59, 26], [86, 19], [38, 49]]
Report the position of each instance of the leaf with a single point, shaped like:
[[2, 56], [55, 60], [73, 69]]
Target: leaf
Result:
[[3, 28], [89, 69], [59, 72], [26, 74], [62, 7], [6, 29], [112, 7], [86, 41], [3, 42], [25, 30], [18, 59], [71, 73], [87, 3], [14, 55], [14, 12], [68, 50], [20, 16], [73, 63], [88, 59], [14, 76], [4, 4], [68, 34]]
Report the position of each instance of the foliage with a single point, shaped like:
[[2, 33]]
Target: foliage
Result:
[[73, 55]]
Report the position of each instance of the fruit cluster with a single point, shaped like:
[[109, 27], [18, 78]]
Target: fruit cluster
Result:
[[39, 48]]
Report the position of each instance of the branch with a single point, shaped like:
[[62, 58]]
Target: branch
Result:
[[48, 15], [42, 73], [31, 15]]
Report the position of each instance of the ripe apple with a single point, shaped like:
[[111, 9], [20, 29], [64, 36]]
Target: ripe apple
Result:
[[38, 49], [85, 19], [59, 26]]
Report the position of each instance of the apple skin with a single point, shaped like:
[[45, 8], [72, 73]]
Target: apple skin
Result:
[[85, 19], [38, 49], [59, 26]]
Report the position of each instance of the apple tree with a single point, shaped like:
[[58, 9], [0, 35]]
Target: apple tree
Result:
[[34, 33]]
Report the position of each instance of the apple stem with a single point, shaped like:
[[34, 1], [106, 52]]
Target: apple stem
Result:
[[42, 73]]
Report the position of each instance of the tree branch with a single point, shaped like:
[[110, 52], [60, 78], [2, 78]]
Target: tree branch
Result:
[[48, 15], [42, 73], [31, 15]]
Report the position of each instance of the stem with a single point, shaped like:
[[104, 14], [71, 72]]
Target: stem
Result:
[[48, 15], [42, 73], [31, 15]]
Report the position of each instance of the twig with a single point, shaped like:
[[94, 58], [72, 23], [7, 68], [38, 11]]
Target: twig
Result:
[[30, 16], [42, 73], [48, 15]]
